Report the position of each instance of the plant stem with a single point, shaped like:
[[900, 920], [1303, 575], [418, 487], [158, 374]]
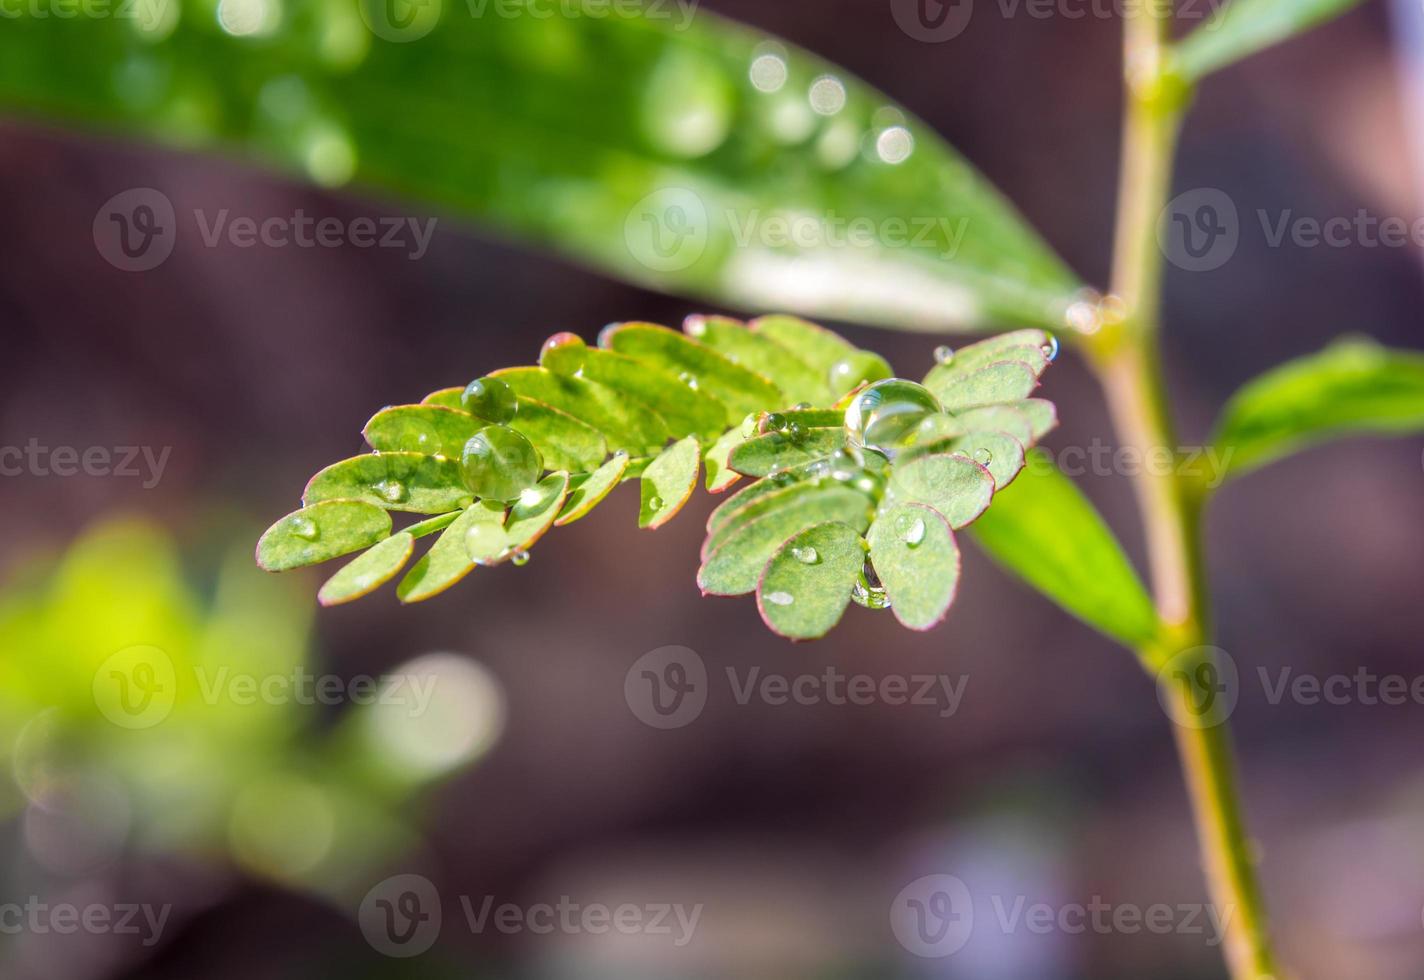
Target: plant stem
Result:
[[1127, 358]]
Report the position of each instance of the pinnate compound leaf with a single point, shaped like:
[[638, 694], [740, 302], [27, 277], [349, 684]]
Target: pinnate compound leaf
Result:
[[410, 482], [590, 491], [805, 587], [917, 560], [321, 531], [1044, 530], [368, 571], [1351, 387], [1243, 27], [668, 481]]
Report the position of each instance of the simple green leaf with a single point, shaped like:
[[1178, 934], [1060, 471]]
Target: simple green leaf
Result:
[[805, 587], [368, 571], [321, 531], [1044, 530], [1351, 387], [917, 560]]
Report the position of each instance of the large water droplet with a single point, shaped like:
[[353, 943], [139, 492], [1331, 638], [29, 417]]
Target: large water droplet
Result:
[[484, 542], [304, 528], [780, 598], [868, 591], [943, 354], [490, 399], [884, 417], [806, 554], [500, 463], [564, 354]]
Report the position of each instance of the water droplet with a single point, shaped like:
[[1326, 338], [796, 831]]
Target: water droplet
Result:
[[794, 429], [884, 416], [304, 528], [490, 399], [943, 354], [983, 457], [689, 379], [1050, 348], [391, 491], [695, 327], [854, 370], [500, 463], [780, 598], [915, 533], [774, 422], [563, 354], [801, 407], [749, 425], [520, 558], [655, 502], [485, 542], [806, 554]]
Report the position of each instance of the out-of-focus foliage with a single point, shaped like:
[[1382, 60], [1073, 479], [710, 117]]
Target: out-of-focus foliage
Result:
[[861, 454], [172, 721], [666, 145], [1244, 27], [1353, 387]]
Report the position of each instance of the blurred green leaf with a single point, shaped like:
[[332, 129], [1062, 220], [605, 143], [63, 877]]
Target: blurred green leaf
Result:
[[320, 532], [806, 585], [670, 147], [1352, 387], [917, 561], [1244, 27], [1044, 530]]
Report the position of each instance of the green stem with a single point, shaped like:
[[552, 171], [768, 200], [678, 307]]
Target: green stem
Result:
[[1127, 358]]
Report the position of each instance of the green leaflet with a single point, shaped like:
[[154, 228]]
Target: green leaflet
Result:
[[448, 560], [490, 543], [740, 389], [1045, 531], [430, 430], [813, 343], [759, 352], [589, 492], [394, 481], [806, 585], [685, 410], [1004, 381], [638, 144], [321, 531], [627, 426], [668, 481], [368, 571], [998, 452], [1351, 387], [958, 488], [917, 561], [775, 451], [1244, 27], [1028, 420], [736, 565], [563, 441], [720, 475]]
